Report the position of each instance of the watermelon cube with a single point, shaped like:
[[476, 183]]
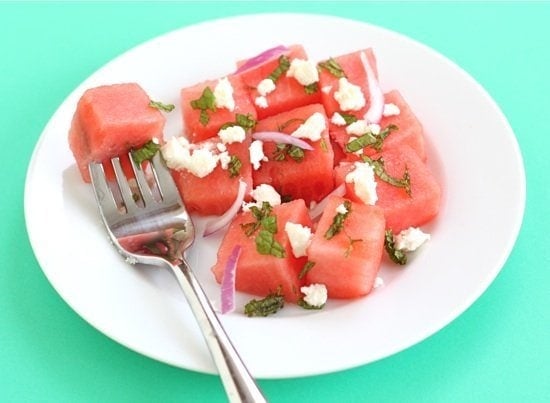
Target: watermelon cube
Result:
[[205, 119], [216, 192], [309, 178], [261, 274], [110, 120], [409, 130], [288, 93], [401, 210], [347, 263]]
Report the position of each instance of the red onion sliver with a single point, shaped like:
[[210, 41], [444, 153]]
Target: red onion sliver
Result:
[[220, 222], [319, 207], [228, 280], [262, 57], [283, 138], [376, 101]]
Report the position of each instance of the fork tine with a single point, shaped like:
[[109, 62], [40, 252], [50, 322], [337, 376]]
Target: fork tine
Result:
[[124, 187], [165, 182], [102, 192], [143, 184]]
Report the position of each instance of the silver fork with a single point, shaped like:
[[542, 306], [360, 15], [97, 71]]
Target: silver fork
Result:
[[156, 232]]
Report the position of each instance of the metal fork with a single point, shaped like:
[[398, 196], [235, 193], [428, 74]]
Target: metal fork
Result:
[[155, 230]]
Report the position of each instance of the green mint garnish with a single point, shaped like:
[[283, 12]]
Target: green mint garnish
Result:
[[301, 302], [266, 306], [145, 152], [333, 68], [380, 171], [161, 106], [206, 102], [396, 255], [350, 247], [245, 121], [267, 224], [267, 245], [234, 166], [348, 118], [370, 140], [307, 267], [311, 88], [284, 65], [338, 221], [294, 152], [323, 145]]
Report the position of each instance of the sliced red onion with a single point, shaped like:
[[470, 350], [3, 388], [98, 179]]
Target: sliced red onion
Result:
[[220, 222], [228, 280], [283, 138], [262, 57], [319, 207], [376, 100]]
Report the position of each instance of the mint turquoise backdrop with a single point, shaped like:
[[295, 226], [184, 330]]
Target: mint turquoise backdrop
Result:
[[497, 351]]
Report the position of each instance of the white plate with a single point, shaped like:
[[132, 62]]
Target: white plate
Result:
[[471, 148]]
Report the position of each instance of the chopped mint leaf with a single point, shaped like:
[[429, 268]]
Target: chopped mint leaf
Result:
[[307, 267], [338, 221], [301, 302], [234, 166], [294, 152], [311, 88], [324, 146], [396, 255], [348, 118], [370, 139], [259, 214], [267, 245], [333, 67], [145, 152], [206, 102], [380, 171], [245, 121], [266, 306], [284, 65], [161, 106], [350, 247]]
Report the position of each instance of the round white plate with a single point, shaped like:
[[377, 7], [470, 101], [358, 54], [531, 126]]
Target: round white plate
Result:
[[471, 148]]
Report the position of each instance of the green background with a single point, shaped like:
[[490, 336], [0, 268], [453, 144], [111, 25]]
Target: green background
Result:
[[497, 351]]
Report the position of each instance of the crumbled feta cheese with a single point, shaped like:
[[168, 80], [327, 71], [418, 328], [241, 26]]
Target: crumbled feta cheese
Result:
[[326, 89], [266, 86], [364, 183], [315, 294], [341, 209], [360, 127], [261, 102], [221, 147], [232, 134], [200, 162], [312, 128], [410, 239], [299, 237], [338, 119], [304, 71], [256, 151], [224, 159], [349, 96], [263, 193], [223, 94], [378, 282], [374, 128], [391, 110]]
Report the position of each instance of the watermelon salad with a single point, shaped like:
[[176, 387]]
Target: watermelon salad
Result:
[[313, 174]]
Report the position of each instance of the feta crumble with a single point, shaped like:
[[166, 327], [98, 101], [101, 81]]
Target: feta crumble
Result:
[[299, 237], [256, 151], [349, 96], [232, 134], [315, 294], [362, 176], [338, 119], [263, 193], [261, 102], [304, 71], [223, 94], [224, 159], [312, 128], [178, 155], [326, 89], [410, 239], [360, 127], [341, 209], [266, 86], [391, 110]]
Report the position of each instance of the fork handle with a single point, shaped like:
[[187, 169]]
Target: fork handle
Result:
[[239, 384]]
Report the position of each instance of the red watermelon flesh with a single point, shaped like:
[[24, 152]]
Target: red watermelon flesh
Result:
[[401, 210], [310, 179], [347, 263], [354, 71], [197, 131], [216, 192], [263, 274], [110, 120], [409, 129], [288, 94]]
